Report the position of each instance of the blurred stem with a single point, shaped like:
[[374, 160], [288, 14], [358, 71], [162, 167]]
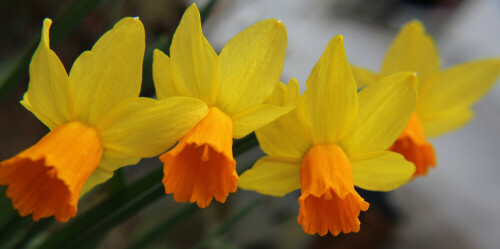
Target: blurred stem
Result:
[[13, 230], [71, 15], [168, 224], [82, 230], [117, 182], [228, 223], [175, 219], [34, 229]]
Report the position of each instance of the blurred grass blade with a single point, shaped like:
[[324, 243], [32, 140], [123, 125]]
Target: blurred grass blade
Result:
[[163, 44], [34, 229], [228, 223], [181, 215], [14, 230], [82, 230], [71, 15], [168, 224]]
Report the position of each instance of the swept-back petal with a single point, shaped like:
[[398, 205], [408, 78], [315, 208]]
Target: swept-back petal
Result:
[[193, 67], [145, 127], [412, 50], [48, 95], [384, 110], [330, 101], [251, 65], [272, 176], [458, 87], [113, 160], [381, 171], [363, 76], [97, 177], [110, 73], [282, 100], [446, 121]]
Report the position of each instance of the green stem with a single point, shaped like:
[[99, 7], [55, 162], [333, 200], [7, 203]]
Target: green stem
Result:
[[33, 230], [119, 207], [181, 215], [168, 224], [14, 230], [229, 223]]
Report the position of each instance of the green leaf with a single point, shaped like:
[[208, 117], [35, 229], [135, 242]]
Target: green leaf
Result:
[[181, 215], [166, 225], [228, 223], [82, 230]]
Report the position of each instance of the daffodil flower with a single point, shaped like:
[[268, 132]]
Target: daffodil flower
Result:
[[445, 97], [97, 121], [334, 140], [236, 87]]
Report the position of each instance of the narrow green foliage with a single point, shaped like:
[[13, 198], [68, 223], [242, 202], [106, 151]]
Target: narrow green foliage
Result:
[[228, 224], [81, 231]]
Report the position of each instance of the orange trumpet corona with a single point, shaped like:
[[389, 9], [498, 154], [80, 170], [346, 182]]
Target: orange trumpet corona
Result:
[[414, 147], [328, 200], [47, 178], [201, 166]]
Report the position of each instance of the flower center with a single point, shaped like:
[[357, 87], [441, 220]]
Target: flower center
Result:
[[47, 178], [201, 166], [328, 201]]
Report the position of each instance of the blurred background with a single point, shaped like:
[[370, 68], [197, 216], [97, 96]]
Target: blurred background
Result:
[[456, 206]]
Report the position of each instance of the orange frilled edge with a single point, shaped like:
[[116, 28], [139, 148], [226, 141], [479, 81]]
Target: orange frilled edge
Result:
[[201, 166], [328, 200], [46, 179], [413, 145]]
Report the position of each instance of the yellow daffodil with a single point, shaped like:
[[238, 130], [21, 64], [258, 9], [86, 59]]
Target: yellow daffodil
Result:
[[445, 98], [97, 121], [236, 86], [334, 140]]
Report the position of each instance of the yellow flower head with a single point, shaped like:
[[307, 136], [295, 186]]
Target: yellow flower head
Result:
[[98, 123], [334, 140], [445, 98], [241, 88]]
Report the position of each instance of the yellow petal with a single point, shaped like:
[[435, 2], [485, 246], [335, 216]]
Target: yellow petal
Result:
[[330, 100], [412, 50], [363, 76], [251, 65], [113, 160], [193, 68], [272, 176], [111, 72], [97, 177], [457, 88], [44, 119], [282, 100], [381, 171], [446, 121], [145, 127], [287, 136], [384, 110], [48, 92]]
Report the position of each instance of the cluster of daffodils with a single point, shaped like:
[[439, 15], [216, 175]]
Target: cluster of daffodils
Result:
[[324, 142]]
